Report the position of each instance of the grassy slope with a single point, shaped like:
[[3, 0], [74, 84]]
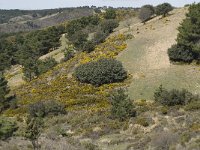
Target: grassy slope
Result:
[[88, 114], [147, 60]]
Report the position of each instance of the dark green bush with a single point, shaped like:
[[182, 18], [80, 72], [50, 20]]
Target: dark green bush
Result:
[[163, 9], [42, 109], [146, 13], [101, 72], [68, 53], [178, 53], [45, 65], [4, 90], [54, 108], [33, 67], [142, 121], [37, 109], [7, 128], [188, 39], [107, 26], [89, 46], [6, 101], [30, 69], [110, 14], [79, 39], [173, 97], [194, 105], [121, 106], [34, 127], [99, 37]]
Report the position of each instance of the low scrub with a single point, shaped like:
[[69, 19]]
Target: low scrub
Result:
[[146, 13], [174, 97], [163, 9], [121, 106], [47, 64], [7, 128], [194, 105], [42, 109], [180, 54], [101, 72]]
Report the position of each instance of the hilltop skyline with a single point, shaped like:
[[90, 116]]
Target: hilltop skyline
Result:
[[47, 4]]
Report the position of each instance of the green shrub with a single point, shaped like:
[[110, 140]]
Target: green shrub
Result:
[[90, 146], [42, 109], [107, 26], [121, 106], [194, 105], [188, 43], [89, 46], [180, 53], [30, 69], [54, 108], [4, 90], [37, 109], [79, 39], [142, 121], [101, 72], [68, 53], [173, 97], [7, 128], [164, 110], [146, 13], [33, 130], [163, 9], [99, 37], [33, 67], [45, 65], [110, 14]]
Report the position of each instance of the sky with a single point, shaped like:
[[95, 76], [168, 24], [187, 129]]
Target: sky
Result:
[[44, 4]]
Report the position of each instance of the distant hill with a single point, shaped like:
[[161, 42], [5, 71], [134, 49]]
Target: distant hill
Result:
[[27, 20]]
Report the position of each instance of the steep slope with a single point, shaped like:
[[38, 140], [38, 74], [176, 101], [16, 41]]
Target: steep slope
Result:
[[28, 23], [147, 60]]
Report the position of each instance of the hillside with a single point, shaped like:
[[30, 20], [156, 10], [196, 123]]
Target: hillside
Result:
[[32, 20], [81, 114], [147, 60]]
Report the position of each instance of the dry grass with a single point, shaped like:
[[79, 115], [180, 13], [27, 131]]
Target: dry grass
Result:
[[147, 60]]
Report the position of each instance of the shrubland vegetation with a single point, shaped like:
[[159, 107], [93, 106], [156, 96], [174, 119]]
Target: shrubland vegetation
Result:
[[121, 106], [47, 108], [163, 9], [174, 97], [6, 101], [6, 15], [79, 30], [84, 96], [21, 48], [7, 128], [187, 48], [146, 12], [26, 48], [110, 14], [34, 68], [28, 20], [101, 72]]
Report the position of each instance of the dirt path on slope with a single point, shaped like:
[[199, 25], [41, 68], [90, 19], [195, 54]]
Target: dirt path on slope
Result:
[[147, 60]]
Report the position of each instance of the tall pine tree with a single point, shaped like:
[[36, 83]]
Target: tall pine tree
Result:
[[187, 48]]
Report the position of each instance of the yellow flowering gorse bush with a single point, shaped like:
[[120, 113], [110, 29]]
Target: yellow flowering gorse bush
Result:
[[59, 83]]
